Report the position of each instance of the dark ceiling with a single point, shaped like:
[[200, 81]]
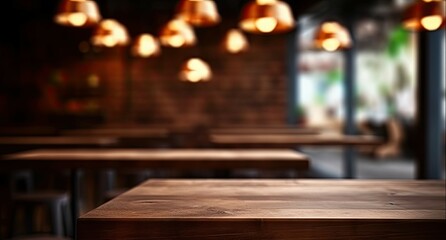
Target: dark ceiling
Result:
[[154, 12], [28, 24]]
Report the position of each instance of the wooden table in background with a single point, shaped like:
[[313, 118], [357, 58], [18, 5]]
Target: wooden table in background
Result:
[[130, 137], [120, 132], [56, 141], [293, 141], [262, 131], [290, 141], [271, 209], [197, 159]]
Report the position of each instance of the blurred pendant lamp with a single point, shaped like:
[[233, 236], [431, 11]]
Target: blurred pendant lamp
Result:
[[195, 70], [235, 42], [267, 16], [331, 36], [77, 13], [177, 33], [425, 15], [199, 13], [110, 33], [146, 46]]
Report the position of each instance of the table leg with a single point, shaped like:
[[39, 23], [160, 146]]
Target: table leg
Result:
[[75, 192]]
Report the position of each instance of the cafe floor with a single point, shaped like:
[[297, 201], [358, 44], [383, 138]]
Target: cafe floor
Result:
[[328, 163]]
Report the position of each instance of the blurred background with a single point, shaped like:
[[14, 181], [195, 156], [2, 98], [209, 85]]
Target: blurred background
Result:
[[52, 75]]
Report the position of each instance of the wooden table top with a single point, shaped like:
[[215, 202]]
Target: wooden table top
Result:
[[287, 140], [272, 209], [120, 132], [260, 131], [57, 140], [158, 158]]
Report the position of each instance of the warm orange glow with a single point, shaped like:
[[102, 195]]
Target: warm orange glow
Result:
[[77, 19], [146, 46], [110, 33], [267, 16], [332, 36], [432, 23], [425, 15], [176, 41], [331, 27], [93, 81], [264, 2], [235, 41], [331, 44], [195, 70], [201, 13], [266, 24], [177, 33], [77, 13]]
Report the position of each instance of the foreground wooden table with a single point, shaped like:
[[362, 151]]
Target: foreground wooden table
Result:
[[271, 209], [197, 159]]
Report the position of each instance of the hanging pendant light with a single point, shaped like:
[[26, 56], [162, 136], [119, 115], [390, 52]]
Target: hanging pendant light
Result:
[[177, 33], [78, 13], [110, 33], [200, 13], [146, 46], [195, 70], [425, 15], [267, 16], [235, 42], [332, 36]]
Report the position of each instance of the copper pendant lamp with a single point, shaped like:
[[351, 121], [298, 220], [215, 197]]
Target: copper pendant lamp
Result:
[[235, 42], [146, 46], [425, 15], [195, 70], [332, 36], [177, 33], [267, 16], [110, 33], [200, 13], [77, 13]]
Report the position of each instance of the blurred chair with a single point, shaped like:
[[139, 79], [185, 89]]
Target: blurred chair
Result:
[[392, 131], [56, 204]]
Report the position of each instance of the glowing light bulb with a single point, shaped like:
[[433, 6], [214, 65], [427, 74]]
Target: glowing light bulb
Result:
[[176, 41], [266, 24], [331, 44], [432, 22], [195, 70], [236, 41], [193, 76], [77, 19], [109, 41], [146, 46], [265, 2]]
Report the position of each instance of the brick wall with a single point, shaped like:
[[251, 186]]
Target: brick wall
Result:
[[248, 88]]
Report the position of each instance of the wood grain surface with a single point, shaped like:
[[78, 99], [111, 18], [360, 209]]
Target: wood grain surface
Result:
[[287, 140], [57, 140], [120, 132], [251, 130], [272, 209], [158, 158]]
